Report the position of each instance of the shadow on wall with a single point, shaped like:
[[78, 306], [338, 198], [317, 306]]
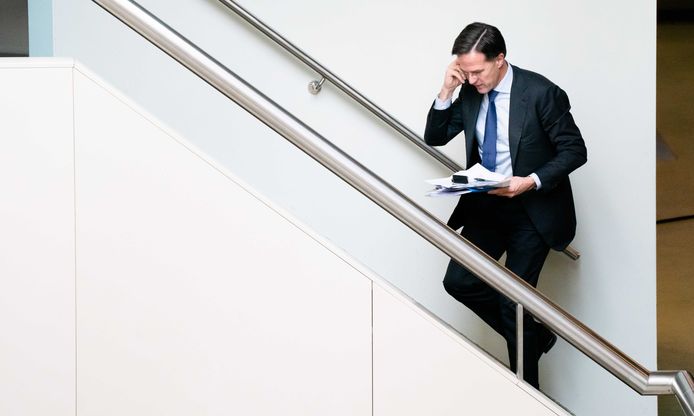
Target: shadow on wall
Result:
[[14, 28]]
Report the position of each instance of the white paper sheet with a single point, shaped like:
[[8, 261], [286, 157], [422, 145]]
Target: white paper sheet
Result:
[[480, 180]]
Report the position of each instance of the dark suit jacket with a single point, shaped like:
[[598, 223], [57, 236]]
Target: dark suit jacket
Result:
[[543, 139]]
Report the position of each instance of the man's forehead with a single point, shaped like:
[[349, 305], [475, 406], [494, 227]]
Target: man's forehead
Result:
[[472, 59]]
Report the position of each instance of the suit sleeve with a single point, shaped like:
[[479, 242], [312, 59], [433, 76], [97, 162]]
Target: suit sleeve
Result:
[[570, 150], [444, 125]]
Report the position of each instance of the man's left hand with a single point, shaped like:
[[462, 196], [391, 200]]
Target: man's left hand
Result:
[[517, 186]]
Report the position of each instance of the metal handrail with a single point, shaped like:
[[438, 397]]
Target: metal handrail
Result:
[[397, 204], [326, 74], [343, 86]]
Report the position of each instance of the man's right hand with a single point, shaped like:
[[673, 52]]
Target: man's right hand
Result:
[[453, 79]]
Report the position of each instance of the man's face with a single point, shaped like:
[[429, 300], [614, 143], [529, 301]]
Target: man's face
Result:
[[482, 74]]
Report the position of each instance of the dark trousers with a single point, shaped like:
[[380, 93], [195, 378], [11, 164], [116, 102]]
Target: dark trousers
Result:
[[502, 225]]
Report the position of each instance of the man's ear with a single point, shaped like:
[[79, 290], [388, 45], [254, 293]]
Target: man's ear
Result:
[[499, 60]]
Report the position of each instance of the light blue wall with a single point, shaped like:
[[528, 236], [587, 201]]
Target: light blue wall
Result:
[[40, 27]]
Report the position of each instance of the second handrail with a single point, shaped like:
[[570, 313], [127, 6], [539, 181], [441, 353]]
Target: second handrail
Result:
[[343, 86], [353, 93]]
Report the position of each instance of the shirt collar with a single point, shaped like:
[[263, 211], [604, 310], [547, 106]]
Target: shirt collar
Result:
[[505, 84]]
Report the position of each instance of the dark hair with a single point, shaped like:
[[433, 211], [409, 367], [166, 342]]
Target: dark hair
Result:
[[482, 38]]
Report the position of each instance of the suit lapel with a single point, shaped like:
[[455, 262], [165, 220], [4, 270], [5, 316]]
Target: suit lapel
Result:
[[517, 111]]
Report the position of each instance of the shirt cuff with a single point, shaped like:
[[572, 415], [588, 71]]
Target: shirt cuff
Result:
[[538, 184], [440, 104]]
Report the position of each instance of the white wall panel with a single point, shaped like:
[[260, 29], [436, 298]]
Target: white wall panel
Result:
[[422, 368], [37, 257], [194, 296]]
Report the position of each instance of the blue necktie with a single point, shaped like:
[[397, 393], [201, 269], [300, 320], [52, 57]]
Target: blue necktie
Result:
[[489, 145]]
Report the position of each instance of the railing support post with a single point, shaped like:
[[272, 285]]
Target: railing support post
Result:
[[519, 341]]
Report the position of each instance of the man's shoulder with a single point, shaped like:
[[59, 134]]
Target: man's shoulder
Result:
[[531, 78], [537, 86]]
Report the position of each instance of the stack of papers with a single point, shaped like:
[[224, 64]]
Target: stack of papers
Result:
[[476, 179]]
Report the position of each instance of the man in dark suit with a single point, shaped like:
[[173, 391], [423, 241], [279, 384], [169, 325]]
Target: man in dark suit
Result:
[[517, 123]]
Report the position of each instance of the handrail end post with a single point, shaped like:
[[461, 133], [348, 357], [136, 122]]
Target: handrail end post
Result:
[[684, 390], [680, 383]]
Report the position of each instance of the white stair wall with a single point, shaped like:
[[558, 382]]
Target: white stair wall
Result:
[[195, 297], [37, 240], [194, 294]]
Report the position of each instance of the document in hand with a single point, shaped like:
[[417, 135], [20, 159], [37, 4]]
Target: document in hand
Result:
[[476, 179]]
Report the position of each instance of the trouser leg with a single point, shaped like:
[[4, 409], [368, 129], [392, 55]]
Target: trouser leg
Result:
[[467, 288], [525, 256], [503, 227]]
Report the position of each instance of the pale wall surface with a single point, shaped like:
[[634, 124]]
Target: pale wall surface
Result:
[[175, 290], [195, 297], [395, 52], [40, 27], [37, 245], [421, 368]]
